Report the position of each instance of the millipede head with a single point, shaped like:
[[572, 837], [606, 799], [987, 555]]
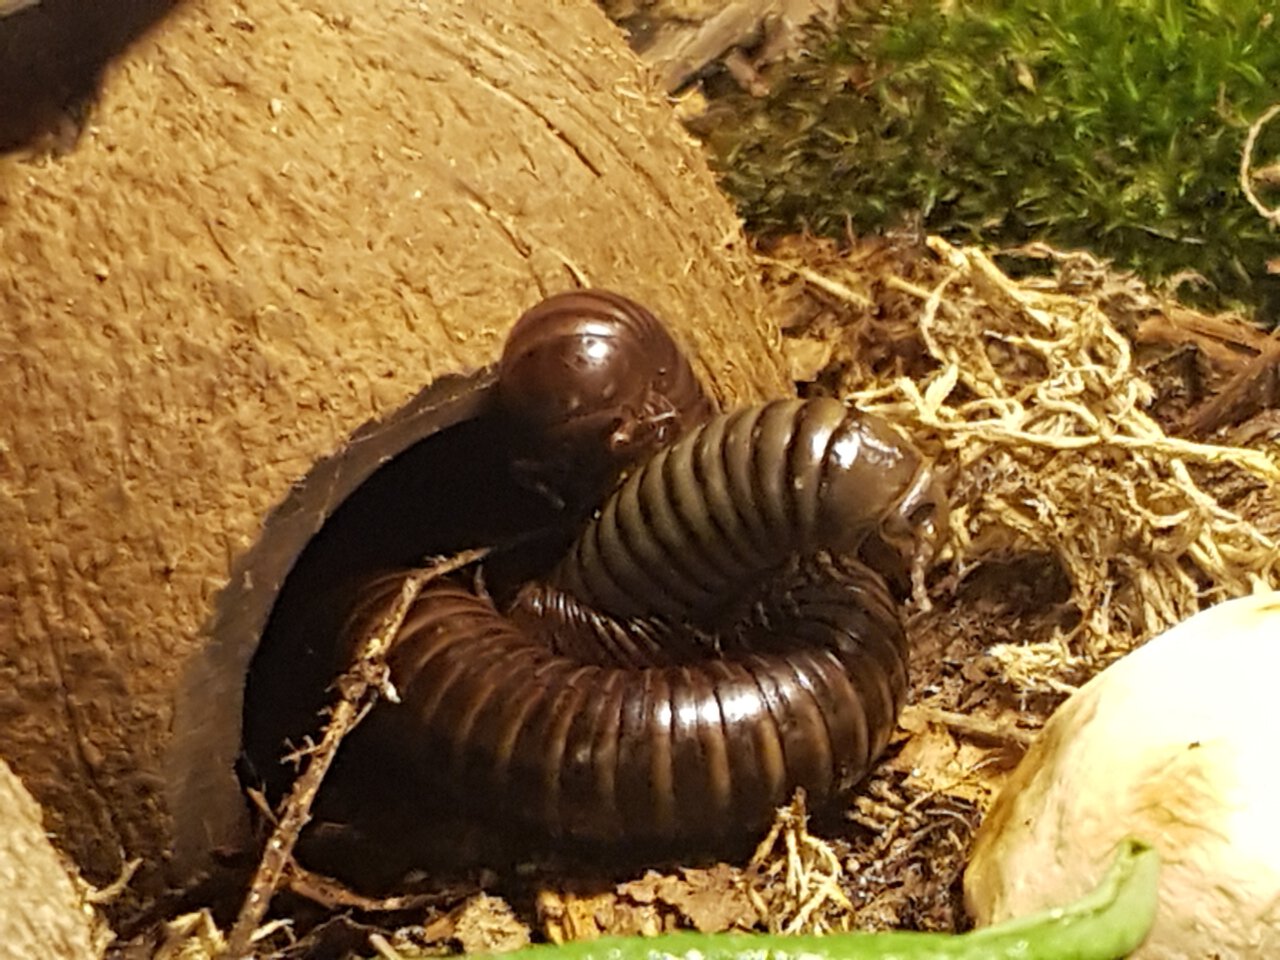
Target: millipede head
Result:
[[594, 383], [875, 473]]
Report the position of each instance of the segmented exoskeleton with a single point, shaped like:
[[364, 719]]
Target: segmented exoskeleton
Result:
[[709, 643]]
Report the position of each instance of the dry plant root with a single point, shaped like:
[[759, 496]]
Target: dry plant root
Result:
[[797, 883], [1247, 175]]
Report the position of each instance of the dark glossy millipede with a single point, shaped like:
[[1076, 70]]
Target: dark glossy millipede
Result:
[[711, 640]]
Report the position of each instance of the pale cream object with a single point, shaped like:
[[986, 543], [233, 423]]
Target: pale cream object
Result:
[[1177, 743]]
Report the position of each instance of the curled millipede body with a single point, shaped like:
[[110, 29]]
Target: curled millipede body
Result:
[[692, 751], [709, 643], [707, 517]]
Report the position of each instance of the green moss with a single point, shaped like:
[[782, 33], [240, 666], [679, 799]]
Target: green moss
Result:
[[1115, 125]]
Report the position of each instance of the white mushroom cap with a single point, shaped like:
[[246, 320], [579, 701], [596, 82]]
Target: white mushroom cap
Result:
[[1177, 743]]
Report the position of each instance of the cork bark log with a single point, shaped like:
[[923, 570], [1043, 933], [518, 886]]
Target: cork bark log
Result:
[[283, 221], [44, 908]]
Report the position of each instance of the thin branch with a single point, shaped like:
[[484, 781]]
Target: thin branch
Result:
[[1000, 732], [825, 284], [330, 893], [1270, 214], [358, 690]]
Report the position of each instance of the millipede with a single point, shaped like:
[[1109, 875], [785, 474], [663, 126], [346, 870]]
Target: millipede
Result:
[[714, 637]]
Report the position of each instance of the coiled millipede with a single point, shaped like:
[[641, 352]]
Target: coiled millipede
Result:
[[711, 640]]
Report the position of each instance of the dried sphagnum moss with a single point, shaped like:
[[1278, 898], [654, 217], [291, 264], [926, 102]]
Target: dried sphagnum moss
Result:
[[798, 880], [1030, 393]]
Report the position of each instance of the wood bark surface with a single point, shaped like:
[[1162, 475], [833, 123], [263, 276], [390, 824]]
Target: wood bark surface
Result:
[[43, 910], [282, 221]]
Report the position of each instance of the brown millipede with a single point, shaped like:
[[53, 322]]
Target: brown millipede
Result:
[[708, 644]]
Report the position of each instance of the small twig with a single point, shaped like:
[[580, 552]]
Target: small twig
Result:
[[358, 690], [974, 727], [384, 947], [112, 891], [330, 893], [1234, 395], [825, 284], [1270, 214], [269, 929], [259, 801]]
